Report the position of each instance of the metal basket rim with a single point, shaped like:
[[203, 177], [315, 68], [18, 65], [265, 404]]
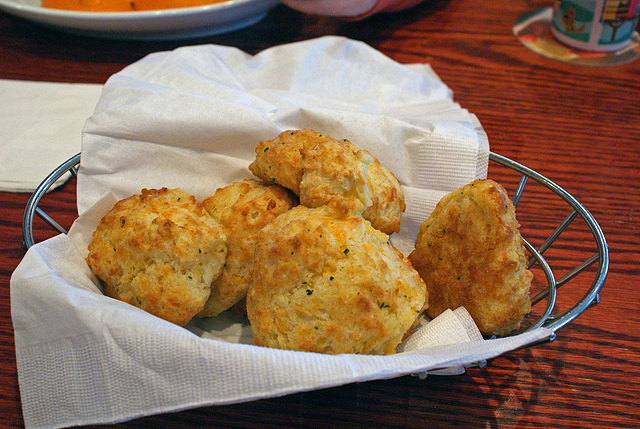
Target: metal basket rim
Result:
[[591, 296]]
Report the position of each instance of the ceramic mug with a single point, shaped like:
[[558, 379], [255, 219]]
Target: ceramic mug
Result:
[[595, 25]]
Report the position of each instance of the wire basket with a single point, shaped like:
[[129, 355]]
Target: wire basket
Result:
[[543, 300]]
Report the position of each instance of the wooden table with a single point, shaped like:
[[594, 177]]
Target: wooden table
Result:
[[579, 126]]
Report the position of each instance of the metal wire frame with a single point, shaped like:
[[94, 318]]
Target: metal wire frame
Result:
[[547, 319], [32, 209], [592, 295]]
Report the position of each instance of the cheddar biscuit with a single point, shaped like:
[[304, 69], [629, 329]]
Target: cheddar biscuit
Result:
[[243, 208], [319, 169], [280, 160], [159, 251], [328, 282], [470, 253]]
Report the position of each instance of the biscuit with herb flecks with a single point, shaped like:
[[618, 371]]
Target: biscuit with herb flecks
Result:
[[243, 208], [328, 282], [319, 168], [159, 251]]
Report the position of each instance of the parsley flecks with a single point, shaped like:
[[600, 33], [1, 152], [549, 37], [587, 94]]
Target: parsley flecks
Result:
[[266, 149], [309, 291], [346, 251]]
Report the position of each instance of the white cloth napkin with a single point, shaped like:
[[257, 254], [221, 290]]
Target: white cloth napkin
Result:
[[41, 126], [191, 118]]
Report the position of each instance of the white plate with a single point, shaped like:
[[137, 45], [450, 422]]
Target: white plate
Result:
[[147, 25]]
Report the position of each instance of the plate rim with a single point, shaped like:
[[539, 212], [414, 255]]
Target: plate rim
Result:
[[201, 20]]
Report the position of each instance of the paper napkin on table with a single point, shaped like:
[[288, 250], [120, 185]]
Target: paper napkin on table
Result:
[[191, 118], [41, 127]]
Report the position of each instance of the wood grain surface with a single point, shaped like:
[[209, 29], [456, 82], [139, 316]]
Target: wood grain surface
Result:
[[579, 126]]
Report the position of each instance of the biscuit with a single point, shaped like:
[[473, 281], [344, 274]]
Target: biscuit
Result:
[[470, 253], [331, 283], [387, 199], [159, 251], [280, 160], [243, 208], [319, 169]]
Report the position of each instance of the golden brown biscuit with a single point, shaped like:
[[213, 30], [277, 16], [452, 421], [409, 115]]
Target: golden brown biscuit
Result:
[[470, 253], [243, 208], [330, 283], [280, 161], [335, 170], [159, 251], [319, 169], [387, 199]]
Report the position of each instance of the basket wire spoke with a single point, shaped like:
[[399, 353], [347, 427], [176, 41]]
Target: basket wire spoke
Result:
[[519, 190], [48, 219]]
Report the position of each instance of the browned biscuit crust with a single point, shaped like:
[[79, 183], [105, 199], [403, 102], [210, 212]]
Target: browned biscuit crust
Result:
[[330, 283], [243, 208], [159, 251], [280, 160], [387, 199], [319, 169], [470, 253]]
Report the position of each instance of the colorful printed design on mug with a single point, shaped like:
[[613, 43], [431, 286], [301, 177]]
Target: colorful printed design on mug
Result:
[[619, 18], [575, 18]]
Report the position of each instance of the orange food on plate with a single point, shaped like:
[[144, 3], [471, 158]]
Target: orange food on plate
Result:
[[123, 5]]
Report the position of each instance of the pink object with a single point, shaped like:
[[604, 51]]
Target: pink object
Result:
[[393, 6], [633, 7]]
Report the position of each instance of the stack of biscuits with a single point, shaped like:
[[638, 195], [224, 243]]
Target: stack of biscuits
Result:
[[303, 251]]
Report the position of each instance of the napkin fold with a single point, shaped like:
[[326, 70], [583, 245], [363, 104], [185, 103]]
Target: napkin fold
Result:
[[191, 118], [41, 126]]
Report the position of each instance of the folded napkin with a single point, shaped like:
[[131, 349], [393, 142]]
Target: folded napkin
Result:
[[41, 126], [191, 118]]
